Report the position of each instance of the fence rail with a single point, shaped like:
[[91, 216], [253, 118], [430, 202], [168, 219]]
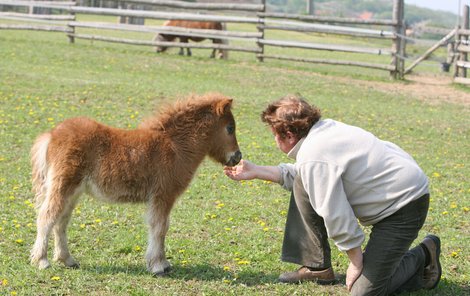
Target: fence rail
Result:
[[199, 6]]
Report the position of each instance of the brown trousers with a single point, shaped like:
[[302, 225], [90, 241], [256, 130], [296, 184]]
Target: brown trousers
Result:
[[389, 265]]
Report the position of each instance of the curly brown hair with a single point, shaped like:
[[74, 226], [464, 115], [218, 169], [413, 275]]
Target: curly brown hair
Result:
[[291, 114]]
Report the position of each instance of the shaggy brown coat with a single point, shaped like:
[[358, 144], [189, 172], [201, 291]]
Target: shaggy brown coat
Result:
[[153, 163]]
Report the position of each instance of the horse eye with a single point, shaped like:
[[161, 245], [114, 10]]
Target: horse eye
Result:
[[230, 129]]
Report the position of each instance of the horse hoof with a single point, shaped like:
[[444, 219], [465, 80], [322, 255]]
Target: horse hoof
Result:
[[76, 265], [43, 264], [165, 272]]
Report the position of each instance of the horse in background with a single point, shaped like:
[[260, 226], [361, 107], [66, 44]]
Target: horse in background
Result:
[[151, 164], [221, 53]]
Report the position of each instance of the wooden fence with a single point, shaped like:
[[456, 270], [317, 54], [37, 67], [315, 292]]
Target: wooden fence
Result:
[[255, 15]]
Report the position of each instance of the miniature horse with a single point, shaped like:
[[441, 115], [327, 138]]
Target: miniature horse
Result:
[[184, 39], [152, 164]]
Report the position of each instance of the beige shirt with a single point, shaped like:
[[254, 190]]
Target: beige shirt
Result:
[[350, 174]]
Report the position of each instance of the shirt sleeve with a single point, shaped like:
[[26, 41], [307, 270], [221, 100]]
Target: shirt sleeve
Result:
[[288, 174], [323, 183]]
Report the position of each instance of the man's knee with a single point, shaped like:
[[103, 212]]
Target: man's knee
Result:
[[364, 287]]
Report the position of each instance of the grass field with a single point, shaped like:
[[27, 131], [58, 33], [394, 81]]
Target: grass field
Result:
[[225, 237]]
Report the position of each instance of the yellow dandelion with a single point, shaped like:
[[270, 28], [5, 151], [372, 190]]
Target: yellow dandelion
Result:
[[228, 228], [454, 254], [265, 228], [19, 241], [82, 225], [213, 216], [98, 221], [13, 293], [436, 175], [4, 282], [220, 205], [137, 248], [243, 262], [55, 278], [181, 251], [445, 213], [465, 209], [226, 268], [453, 205]]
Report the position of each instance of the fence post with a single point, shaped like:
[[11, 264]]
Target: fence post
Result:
[[462, 71], [260, 28], [398, 45], [70, 34]]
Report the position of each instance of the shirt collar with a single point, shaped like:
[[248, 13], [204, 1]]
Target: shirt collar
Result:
[[293, 152]]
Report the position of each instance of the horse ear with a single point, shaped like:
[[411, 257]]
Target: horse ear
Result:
[[223, 106]]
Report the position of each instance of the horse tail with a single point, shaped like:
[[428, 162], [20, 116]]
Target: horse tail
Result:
[[40, 167], [224, 52]]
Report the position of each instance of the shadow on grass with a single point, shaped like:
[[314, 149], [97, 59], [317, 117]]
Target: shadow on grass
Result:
[[199, 272], [205, 272]]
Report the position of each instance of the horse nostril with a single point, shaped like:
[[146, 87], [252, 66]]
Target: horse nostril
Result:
[[238, 156], [234, 159]]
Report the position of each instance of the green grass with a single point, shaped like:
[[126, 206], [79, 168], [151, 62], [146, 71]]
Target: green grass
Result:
[[225, 237]]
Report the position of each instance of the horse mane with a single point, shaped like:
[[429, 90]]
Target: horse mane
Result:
[[195, 111]]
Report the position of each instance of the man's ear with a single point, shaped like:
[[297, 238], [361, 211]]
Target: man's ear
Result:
[[291, 137]]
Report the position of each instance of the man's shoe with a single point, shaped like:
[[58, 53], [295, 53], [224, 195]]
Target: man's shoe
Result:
[[433, 271], [304, 274]]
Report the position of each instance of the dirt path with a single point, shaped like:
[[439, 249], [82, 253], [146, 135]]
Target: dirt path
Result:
[[434, 89]]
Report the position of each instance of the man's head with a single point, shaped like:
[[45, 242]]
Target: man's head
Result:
[[291, 115]]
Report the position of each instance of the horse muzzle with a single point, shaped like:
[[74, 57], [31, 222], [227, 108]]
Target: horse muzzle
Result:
[[234, 159]]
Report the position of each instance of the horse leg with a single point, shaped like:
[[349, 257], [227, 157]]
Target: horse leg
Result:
[[220, 51], [182, 40], [61, 250], [159, 222], [188, 50], [213, 53], [48, 214]]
